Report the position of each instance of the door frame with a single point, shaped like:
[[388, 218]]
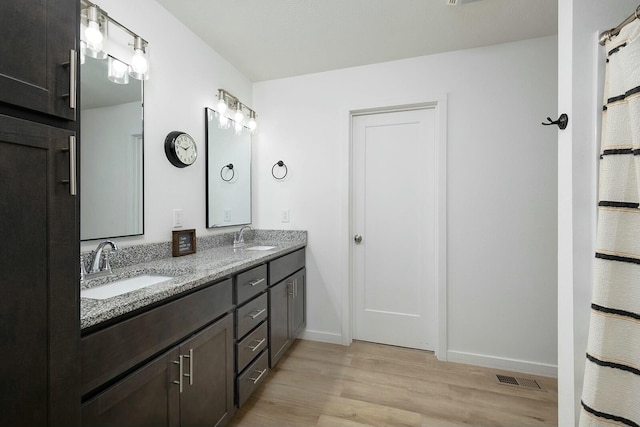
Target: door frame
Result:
[[439, 103]]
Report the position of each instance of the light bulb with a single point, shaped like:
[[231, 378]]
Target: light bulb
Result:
[[83, 46], [117, 71], [139, 68], [139, 63], [223, 122], [93, 36], [239, 115]]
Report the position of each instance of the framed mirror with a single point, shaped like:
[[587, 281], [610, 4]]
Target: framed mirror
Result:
[[228, 157], [111, 154]]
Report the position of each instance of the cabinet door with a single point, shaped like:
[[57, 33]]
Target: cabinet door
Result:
[[38, 36], [39, 322], [148, 397], [298, 301], [278, 320], [207, 398]]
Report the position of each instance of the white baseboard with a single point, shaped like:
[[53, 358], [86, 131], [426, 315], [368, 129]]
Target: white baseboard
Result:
[[506, 364], [328, 337]]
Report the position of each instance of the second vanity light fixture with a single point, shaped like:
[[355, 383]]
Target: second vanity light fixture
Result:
[[230, 111], [94, 29]]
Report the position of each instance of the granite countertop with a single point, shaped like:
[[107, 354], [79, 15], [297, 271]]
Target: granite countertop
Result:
[[189, 272]]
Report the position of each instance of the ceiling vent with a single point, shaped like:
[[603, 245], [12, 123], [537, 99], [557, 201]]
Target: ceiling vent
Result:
[[455, 2]]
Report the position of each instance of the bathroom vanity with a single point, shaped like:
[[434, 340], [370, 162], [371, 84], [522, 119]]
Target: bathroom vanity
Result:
[[190, 350]]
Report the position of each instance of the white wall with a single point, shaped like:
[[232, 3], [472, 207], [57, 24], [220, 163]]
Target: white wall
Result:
[[185, 76], [501, 189], [580, 96]]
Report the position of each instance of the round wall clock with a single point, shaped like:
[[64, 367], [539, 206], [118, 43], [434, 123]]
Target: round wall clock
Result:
[[180, 149]]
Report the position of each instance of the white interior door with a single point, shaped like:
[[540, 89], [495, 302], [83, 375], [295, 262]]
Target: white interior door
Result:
[[394, 221]]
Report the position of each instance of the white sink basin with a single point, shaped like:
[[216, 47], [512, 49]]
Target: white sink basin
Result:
[[123, 286], [260, 248]]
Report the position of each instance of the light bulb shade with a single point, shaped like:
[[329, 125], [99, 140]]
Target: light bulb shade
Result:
[[238, 117], [139, 68], [117, 71], [94, 33]]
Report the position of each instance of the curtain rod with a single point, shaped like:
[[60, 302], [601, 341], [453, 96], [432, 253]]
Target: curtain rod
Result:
[[609, 34]]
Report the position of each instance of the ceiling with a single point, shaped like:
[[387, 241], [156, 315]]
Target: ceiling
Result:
[[270, 39]]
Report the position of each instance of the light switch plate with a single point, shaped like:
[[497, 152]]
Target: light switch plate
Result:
[[177, 218]]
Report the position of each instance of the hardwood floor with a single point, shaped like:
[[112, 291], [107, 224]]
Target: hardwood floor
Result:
[[318, 384]]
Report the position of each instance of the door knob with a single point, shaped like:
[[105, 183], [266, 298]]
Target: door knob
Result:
[[357, 238]]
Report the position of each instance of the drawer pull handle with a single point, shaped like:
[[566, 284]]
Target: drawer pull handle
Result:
[[256, 282], [190, 374], [255, 347], [258, 313], [181, 373], [256, 379]]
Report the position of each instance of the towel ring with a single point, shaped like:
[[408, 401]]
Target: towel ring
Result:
[[229, 167], [281, 164]]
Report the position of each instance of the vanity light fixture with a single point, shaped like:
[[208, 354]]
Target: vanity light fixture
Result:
[[94, 24], [230, 109]]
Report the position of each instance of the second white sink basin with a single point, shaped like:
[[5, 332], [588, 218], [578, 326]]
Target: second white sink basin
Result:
[[260, 248], [123, 286]]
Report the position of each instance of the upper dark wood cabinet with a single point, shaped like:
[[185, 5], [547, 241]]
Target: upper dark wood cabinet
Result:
[[36, 49]]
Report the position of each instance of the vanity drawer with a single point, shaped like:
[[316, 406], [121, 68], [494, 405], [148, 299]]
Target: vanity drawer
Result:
[[252, 345], [250, 379], [111, 351], [285, 266], [250, 315], [250, 283]]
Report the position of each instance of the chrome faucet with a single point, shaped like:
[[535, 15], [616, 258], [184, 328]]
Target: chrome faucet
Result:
[[96, 266], [238, 239]]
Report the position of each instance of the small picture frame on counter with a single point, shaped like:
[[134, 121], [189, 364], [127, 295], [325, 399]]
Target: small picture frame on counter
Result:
[[184, 242]]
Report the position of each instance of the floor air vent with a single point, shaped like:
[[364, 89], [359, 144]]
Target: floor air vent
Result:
[[518, 382]]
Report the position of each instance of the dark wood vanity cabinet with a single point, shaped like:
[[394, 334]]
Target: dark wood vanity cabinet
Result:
[[37, 41], [190, 384], [39, 220], [287, 303]]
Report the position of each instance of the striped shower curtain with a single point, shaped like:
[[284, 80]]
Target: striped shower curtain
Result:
[[611, 394]]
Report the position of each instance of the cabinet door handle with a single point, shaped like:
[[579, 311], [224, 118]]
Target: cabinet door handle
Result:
[[295, 288], [290, 285], [179, 382], [261, 373], [258, 313], [190, 374], [256, 282], [73, 72], [72, 181], [255, 347]]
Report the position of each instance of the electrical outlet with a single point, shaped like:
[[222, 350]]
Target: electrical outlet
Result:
[[227, 215], [284, 215], [177, 218]]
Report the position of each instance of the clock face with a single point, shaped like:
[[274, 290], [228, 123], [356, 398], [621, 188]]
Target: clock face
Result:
[[185, 148], [181, 149]]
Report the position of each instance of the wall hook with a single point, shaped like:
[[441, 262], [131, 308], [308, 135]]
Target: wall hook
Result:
[[229, 167], [562, 121], [281, 164]]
